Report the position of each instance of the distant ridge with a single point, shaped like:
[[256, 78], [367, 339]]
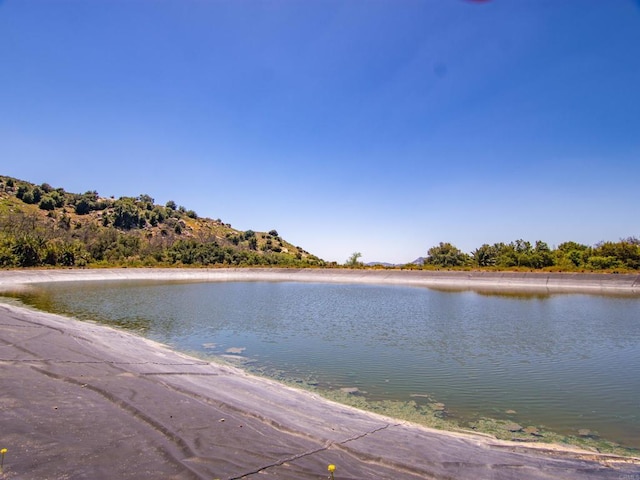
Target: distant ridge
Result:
[[380, 264], [417, 261]]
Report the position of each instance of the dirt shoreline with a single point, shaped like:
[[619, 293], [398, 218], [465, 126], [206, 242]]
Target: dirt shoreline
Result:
[[80, 400]]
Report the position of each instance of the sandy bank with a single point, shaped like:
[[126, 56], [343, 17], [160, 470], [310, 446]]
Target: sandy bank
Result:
[[80, 400], [627, 284]]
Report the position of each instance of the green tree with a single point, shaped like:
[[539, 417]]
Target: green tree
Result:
[[22, 189], [541, 256], [598, 262], [354, 260], [126, 214], [446, 255], [58, 198], [571, 255], [47, 203], [37, 194], [83, 207], [485, 256], [28, 197], [161, 213], [625, 252], [146, 201], [520, 253], [28, 250], [7, 256]]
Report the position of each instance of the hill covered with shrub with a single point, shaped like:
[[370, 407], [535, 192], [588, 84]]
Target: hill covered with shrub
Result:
[[42, 225]]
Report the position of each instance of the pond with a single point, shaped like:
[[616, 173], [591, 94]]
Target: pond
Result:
[[566, 363]]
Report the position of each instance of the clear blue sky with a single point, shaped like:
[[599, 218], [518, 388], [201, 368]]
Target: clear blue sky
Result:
[[383, 127]]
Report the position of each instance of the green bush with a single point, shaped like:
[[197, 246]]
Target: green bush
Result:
[[47, 203]]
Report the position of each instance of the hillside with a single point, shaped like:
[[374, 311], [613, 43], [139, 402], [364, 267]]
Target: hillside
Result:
[[43, 225]]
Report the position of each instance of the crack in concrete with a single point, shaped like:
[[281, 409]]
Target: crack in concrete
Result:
[[326, 447], [283, 461], [366, 434]]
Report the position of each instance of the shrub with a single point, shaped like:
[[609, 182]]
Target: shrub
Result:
[[83, 207], [27, 197], [602, 263], [47, 203]]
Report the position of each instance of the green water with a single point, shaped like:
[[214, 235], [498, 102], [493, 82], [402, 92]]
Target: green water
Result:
[[563, 363]]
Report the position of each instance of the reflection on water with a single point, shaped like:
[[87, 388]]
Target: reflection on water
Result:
[[568, 362]]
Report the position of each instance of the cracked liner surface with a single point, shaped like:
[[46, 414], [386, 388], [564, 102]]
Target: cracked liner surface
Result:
[[79, 400]]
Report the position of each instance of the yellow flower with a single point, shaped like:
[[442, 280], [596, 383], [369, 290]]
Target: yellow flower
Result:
[[3, 451], [331, 468]]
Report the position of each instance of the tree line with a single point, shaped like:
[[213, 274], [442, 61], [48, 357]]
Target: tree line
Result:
[[623, 255]]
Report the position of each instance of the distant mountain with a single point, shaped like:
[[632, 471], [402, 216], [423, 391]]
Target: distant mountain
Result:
[[380, 264], [417, 261], [42, 225]]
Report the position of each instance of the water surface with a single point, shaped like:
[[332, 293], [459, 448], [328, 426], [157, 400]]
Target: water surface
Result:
[[565, 362]]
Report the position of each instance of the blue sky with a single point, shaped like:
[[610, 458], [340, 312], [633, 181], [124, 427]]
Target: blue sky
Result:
[[383, 127]]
